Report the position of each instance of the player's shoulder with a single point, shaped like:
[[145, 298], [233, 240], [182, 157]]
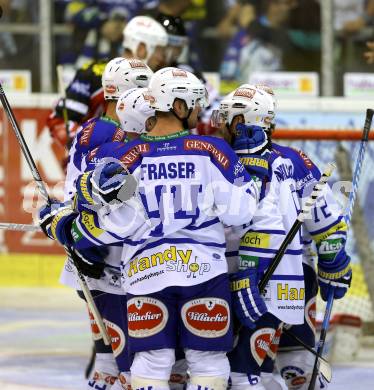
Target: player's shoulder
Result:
[[297, 156], [302, 166], [99, 130]]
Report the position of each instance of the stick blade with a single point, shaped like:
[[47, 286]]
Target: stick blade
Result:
[[325, 369]]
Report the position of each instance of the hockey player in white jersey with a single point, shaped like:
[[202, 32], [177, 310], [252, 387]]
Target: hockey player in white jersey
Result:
[[260, 316], [328, 230], [126, 116], [175, 271]]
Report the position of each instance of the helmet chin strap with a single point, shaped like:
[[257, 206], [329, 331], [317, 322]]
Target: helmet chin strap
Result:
[[183, 120]]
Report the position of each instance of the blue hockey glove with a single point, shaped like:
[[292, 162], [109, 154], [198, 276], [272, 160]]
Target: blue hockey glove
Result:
[[55, 220], [247, 301], [108, 183], [90, 261], [249, 139], [250, 144], [334, 268]]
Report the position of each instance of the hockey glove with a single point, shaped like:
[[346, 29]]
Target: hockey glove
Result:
[[90, 262], [247, 301], [108, 183], [250, 144], [250, 139], [334, 268], [55, 219]]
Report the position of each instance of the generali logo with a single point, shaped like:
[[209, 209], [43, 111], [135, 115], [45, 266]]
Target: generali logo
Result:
[[146, 316], [207, 317]]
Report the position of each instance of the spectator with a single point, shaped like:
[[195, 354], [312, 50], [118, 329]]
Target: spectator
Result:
[[351, 16], [99, 24], [258, 45], [304, 31]]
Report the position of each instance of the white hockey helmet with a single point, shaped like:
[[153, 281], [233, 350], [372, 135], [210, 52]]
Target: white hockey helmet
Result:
[[121, 74], [255, 104], [143, 29], [170, 83], [133, 110]]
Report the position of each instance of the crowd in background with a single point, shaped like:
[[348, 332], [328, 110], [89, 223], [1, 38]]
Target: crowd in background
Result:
[[232, 37]]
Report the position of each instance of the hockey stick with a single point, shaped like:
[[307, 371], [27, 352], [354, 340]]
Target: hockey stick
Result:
[[19, 226], [304, 213], [36, 175], [62, 91], [348, 217]]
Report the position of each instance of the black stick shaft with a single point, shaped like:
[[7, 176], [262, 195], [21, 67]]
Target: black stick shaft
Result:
[[26, 152]]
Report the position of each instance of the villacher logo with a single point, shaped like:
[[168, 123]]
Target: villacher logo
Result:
[[146, 316], [207, 317]]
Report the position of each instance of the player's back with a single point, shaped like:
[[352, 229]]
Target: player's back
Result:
[[188, 185]]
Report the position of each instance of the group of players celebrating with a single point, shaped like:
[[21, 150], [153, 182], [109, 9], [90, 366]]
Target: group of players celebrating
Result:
[[174, 230]]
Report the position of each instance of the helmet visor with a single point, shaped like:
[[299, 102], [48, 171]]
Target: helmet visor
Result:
[[218, 118]]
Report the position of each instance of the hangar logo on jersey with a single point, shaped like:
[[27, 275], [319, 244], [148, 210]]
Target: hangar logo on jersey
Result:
[[146, 316], [117, 337], [245, 92], [286, 293], [260, 343], [206, 317]]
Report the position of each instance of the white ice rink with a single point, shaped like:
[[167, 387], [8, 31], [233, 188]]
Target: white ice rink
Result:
[[45, 344]]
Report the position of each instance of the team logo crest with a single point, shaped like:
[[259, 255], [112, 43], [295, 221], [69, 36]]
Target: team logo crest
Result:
[[260, 344], [310, 311], [206, 317], [117, 337], [96, 335], [146, 316]]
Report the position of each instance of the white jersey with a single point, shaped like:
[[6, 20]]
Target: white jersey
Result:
[[189, 187], [284, 294]]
